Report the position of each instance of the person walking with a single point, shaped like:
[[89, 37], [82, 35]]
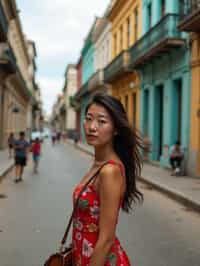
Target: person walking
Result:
[[11, 140], [176, 155], [116, 145], [53, 137], [36, 152], [21, 147]]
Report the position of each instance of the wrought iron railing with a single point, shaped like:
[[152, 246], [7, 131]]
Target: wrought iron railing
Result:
[[96, 80], [187, 7], [165, 29], [119, 64]]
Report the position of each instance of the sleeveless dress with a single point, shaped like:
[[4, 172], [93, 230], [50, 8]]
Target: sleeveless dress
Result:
[[86, 226]]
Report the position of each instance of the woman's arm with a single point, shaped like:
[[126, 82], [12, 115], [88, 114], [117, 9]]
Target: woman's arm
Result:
[[110, 191]]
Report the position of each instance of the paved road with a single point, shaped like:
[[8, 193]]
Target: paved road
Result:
[[33, 215]]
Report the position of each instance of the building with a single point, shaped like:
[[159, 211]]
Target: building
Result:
[[69, 90], [126, 24], [88, 68], [102, 53], [161, 56], [190, 22], [35, 108], [56, 119], [15, 90], [77, 105]]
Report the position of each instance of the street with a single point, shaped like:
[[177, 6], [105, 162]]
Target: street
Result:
[[33, 216]]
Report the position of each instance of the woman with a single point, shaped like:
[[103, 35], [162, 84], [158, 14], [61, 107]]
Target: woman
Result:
[[36, 151], [107, 130]]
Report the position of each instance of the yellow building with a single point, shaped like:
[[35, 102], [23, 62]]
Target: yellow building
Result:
[[191, 23], [126, 29]]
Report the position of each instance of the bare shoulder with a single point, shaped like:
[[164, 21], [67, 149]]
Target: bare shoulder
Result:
[[111, 173]]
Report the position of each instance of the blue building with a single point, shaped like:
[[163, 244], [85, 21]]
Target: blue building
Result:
[[162, 58], [87, 56]]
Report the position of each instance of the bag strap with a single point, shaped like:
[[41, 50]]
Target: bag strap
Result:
[[76, 205]]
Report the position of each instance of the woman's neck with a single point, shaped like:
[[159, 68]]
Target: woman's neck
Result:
[[102, 154]]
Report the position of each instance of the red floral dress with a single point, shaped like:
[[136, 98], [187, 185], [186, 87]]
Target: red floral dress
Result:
[[86, 226]]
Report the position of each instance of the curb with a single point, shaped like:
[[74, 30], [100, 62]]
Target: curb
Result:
[[5, 172], [173, 194]]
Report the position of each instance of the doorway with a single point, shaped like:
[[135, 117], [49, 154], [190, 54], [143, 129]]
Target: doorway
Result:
[[146, 113], [177, 114], [159, 115]]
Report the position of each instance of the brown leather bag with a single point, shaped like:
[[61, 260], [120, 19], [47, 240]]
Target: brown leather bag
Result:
[[64, 256]]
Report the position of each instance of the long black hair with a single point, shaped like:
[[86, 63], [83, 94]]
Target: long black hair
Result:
[[127, 144]]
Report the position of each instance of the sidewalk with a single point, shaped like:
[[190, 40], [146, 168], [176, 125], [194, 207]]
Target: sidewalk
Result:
[[6, 164], [185, 190]]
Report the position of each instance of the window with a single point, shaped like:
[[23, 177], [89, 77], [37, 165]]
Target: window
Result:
[[136, 24], [149, 14], [163, 8], [128, 32], [121, 38]]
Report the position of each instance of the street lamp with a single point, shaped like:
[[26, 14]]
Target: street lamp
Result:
[[14, 108]]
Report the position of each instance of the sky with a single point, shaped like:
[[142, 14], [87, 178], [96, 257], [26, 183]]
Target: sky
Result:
[[58, 29]]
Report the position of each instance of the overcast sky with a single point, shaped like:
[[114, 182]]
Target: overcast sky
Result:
[[58, 29]]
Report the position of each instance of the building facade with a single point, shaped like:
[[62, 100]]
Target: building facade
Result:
[[88, 69], [102, 43], [102, 54], [77, 106], [161, 56], [15, 80], [70, 90], [190, 22], [126, 24]]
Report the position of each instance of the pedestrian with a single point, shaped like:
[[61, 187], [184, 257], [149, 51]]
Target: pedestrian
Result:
[[53, 137], [116, 148], [176, 156], [11, 140], [58, 136], [21, 147], [36, 152]]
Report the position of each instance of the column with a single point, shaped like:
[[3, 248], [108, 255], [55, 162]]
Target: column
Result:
[[142, 110], [151, 117], [155, 11], [168, 120], [172, 7], [185, 110], [144, 19]]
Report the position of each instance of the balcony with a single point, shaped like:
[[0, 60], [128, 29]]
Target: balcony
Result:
[[96, 81], [158, 40], [8, 60], [82, 91], [190, 16], [117, 67]]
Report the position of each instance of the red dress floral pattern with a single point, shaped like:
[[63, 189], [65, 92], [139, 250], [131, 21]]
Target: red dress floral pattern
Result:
[[85, 229]]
